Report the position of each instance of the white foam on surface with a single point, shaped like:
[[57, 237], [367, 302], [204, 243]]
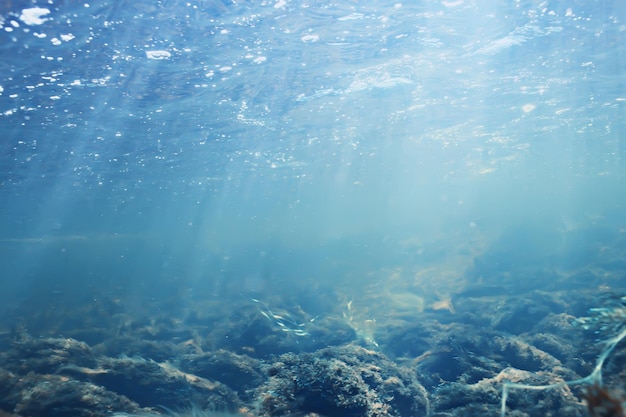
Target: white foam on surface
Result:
[[158, 55], [34, 15]]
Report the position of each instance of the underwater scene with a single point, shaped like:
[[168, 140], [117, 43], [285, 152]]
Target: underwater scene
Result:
[[280, 208]]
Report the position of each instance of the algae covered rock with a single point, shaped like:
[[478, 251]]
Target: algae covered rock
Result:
[[346, 381]]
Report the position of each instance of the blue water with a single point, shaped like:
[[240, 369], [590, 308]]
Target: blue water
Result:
[[361, 161]]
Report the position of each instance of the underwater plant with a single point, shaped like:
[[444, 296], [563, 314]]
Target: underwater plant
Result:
[[603, 403], [600, 402]]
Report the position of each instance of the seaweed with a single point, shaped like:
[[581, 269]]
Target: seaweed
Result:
[[603, 403]]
